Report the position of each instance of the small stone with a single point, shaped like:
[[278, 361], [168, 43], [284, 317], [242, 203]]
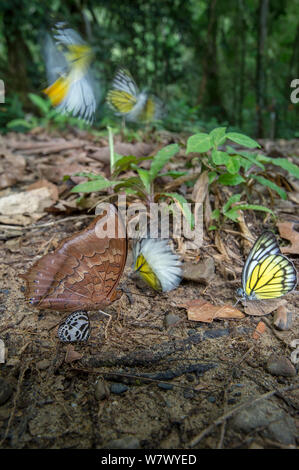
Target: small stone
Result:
[[43, 364], [4, 291], [165, 386], [283, 318], [211, 399], [273, 422], [5, 391], [118, 388], [190, 377], [127, 442], [231, 401], [204, 271], [280, 365], [101, 390], [188, 394], [171, 319], [4, 413]]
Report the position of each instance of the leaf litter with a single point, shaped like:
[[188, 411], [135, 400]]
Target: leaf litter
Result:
[[213, 331]]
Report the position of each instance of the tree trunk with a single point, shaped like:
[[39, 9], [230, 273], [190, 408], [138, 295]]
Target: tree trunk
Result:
[[242, 63], [260, 65], [209, 94]]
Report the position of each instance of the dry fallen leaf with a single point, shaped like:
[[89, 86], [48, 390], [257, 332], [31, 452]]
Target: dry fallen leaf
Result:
[[283, 318], [71, 355], [28, 204], [139, 149], [262, 307], [204, 271], [201, 188], [221, 247], [287, 231], [261, 327], [45, 184], [12, 168], [201, 310]]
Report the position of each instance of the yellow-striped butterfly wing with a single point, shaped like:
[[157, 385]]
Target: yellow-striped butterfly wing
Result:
[[265, 245], [147, 273], [68, 60], [272, 277], [267, 273], [124, 81], [124, 94], [121, 101]]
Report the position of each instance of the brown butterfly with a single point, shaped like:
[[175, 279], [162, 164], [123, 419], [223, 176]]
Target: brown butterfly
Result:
[[84, 270]]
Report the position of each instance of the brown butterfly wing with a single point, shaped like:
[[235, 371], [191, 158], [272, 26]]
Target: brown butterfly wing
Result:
[[82, 273]]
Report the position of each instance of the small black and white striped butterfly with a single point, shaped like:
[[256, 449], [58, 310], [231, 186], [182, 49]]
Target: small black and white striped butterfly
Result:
[[75, 328]]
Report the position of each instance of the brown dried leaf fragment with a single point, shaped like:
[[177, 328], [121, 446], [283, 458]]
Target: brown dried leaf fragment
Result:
[[203, 311]]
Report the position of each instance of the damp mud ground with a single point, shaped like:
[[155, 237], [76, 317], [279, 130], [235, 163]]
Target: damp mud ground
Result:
[[151, 378], [156, 380]]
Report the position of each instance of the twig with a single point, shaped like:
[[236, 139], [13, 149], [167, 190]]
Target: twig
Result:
[[12, 414], [48, 224]]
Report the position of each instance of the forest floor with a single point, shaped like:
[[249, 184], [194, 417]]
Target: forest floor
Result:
[[157, 380]]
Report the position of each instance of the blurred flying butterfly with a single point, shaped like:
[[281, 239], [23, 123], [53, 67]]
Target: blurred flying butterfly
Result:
[[75, 328], [267, 274], [71, 87], [126, 100]]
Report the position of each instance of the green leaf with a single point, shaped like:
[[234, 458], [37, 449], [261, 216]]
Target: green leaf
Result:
[[131, 182], [145, 177], [218, 136], [233, 165], [19, 122], [255, 207], [93, 186], [219, 157], [242, 139], [212, 227], [161, 158], [233, 213], [91, 176], [270, 185], [174, 174], [230, 180], [286, 165], [40, 102], [124, 163], [215, 214], [184, 206], [281, 162], [199, 143], [252, 157], [231, 200], [212, 176]]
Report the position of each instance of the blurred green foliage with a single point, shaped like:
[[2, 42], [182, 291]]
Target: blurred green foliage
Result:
[[199, 56]]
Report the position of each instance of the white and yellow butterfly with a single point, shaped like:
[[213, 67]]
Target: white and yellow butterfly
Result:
[[126, 100], [267, 273], [71, 88], [157, 265]]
